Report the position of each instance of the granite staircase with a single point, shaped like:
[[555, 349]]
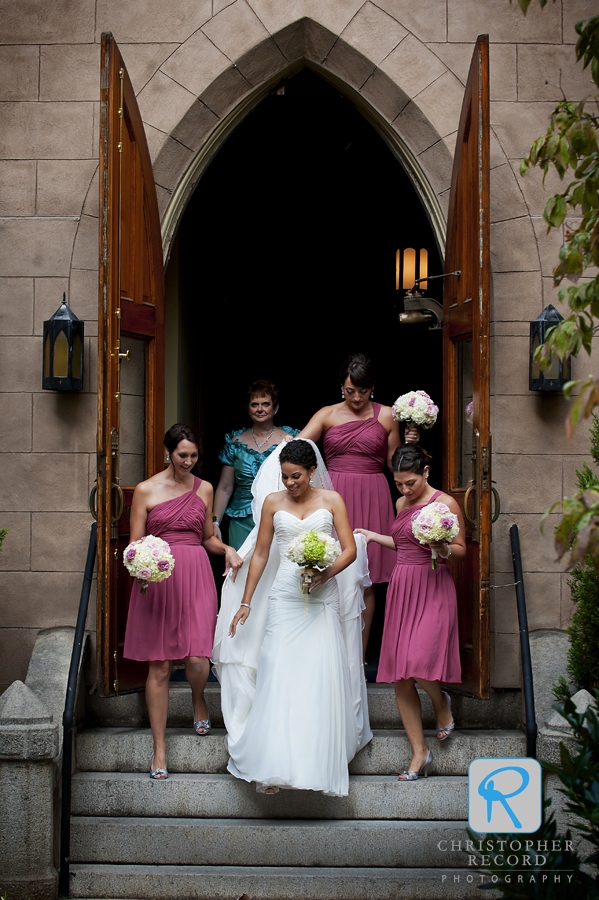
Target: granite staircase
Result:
[[204, 835]]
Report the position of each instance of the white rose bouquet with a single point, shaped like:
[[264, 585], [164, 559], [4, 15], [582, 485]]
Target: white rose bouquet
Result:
[[415, 408], [148, 559], [312, 550], [435, 522]]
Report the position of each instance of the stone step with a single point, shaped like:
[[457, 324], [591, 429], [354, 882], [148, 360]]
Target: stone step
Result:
[[444, 797], [274, 883], [221, 842], [501, 710], [129, 750]]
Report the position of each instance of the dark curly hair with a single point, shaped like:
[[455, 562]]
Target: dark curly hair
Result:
[[298, 452], [181, 432], [359, 369], [410, 458], [262, 388]]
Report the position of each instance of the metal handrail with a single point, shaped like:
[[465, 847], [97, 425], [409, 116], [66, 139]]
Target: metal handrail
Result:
[[68, 717], [527, 681]]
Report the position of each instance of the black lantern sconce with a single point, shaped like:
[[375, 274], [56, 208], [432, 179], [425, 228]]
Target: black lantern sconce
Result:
[[558, 373], [63, 351]]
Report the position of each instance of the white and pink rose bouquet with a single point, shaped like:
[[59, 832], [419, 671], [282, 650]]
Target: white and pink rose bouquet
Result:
[[469, 412], [415, 408], [435, 522], [314, 550], [148, 559]]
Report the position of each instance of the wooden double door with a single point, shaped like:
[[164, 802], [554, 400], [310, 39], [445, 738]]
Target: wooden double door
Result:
[[131, 360]]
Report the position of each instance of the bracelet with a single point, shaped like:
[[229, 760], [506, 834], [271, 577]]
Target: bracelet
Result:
[[246, 604], [448, 551]]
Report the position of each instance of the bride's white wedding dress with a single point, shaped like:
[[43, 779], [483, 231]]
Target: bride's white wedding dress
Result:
[[292, 683]]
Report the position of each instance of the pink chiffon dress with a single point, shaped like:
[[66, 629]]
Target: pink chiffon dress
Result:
[[177, 617], [356, 455], [420, 634]]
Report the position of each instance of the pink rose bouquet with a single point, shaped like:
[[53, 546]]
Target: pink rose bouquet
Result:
[[148, 559], [415, 408], [435, 522]]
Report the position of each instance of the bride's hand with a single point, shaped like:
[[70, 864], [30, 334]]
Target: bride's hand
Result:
[[238, 619], [369, 535], [319, 578], [232, 561]]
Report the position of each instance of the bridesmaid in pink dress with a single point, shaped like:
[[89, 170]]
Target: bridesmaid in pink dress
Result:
[[360, 437], [177, 617], [420, 636]]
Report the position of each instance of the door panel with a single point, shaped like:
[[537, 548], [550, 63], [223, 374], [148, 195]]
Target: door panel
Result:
[[130, 352], [467, 452]]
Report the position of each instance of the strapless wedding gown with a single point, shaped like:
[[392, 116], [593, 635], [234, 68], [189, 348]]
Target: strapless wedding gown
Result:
[[305, 722]]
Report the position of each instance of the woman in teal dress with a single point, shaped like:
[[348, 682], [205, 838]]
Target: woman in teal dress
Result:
[[244, 452]]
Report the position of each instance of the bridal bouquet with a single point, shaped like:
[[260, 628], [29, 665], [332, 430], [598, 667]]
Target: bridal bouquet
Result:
[[415, 408], [469, 412], [435, 522], [313, 550], [149, 559]]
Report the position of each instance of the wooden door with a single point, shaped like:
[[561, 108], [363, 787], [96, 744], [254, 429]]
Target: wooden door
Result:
[[467, 451], [130, 353]]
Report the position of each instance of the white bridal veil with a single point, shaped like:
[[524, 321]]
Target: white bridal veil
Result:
[[235, 659]]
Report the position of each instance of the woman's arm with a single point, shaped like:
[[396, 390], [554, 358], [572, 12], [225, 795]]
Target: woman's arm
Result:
[[213, 544], [411, 435], [315, 427], [384, 540], [222, 495], [139, 511], [257, 563]]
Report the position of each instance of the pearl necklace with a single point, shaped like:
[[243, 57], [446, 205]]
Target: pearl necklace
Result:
[[267, 438]]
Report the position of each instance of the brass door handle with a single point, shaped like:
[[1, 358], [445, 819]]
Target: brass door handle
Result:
[[121, 506], [495, 514], [466, 499]]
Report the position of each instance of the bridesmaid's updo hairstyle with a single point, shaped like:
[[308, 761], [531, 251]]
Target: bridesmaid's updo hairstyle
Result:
[[181, 432], [299, 453], [359, 369], [263, 388], [410, 458]]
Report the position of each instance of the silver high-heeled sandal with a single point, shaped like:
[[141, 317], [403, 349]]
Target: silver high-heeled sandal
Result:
[[157, 774], [444, 732], [202, 727], [414, 774]]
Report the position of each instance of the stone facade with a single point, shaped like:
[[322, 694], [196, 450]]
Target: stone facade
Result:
[[196, 65]]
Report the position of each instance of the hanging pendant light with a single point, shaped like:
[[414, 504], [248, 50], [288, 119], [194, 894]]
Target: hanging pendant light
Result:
[[63, 351]]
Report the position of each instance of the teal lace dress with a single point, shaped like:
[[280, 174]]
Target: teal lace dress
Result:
[[245, 463]]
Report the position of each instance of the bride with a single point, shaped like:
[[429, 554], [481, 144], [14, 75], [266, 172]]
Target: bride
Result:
[[292, 685]]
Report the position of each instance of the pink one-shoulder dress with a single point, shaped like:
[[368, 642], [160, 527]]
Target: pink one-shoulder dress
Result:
[[177, 617], [356, 455], [420, 634]]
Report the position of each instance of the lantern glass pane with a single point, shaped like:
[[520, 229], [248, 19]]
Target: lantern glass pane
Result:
[[133, 413], [553, 371], [465, 418], [409, 268], [423, 271], [77, 356], [61, 356], [47, 356], [535, 369]]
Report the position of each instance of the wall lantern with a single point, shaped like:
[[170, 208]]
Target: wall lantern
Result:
[[419, 309], [558, 373], [63, 351]]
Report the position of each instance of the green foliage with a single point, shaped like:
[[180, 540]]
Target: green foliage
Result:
[[583, 652], [561, 691], [579, 774], [3, 533]]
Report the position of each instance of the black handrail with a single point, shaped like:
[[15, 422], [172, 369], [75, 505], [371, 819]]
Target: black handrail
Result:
[[69, 715], [527, 682]]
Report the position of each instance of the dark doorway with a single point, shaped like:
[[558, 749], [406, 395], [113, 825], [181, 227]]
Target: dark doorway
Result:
[[285, 264]]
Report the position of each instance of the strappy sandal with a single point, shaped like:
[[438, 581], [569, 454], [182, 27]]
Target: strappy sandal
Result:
[[414, 774], [157, 774], [202, 727], [444, 732]]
